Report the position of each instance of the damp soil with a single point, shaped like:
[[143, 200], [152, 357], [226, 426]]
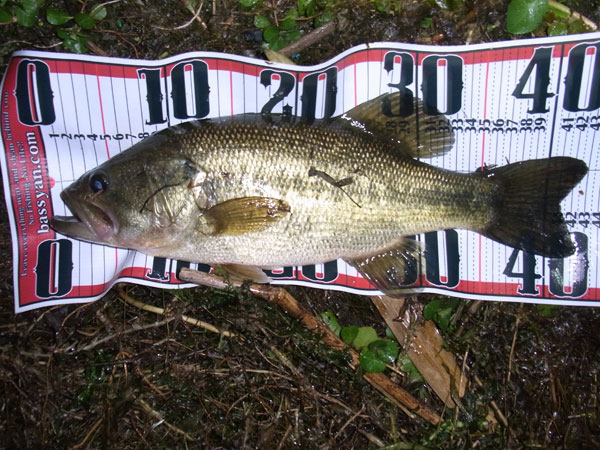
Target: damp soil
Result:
[[110, 375]]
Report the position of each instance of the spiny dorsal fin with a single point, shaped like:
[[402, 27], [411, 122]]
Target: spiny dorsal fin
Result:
[[419, 135], [388, 269], [244, 215]]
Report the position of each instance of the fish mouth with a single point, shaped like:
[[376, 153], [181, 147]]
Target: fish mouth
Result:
[[89, 221]]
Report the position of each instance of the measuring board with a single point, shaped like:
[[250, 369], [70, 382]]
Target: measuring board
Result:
[[64, 114]]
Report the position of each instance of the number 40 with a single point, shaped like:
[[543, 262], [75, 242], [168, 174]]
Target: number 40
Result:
[[540, 66]]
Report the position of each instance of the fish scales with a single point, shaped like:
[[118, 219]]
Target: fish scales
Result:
[[389, 196]]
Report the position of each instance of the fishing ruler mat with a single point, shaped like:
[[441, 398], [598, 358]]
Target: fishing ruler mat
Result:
[[64, 114]]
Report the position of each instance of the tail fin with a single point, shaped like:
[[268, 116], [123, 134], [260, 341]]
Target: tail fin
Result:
[[528, 211]]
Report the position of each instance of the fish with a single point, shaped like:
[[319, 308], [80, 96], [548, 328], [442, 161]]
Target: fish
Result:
[[252, 192]]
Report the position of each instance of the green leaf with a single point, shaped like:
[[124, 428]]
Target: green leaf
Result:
[[31, 6], [62, 33], [331, 321], [75, 45], [287, 24], [73, 41], [409, 368], [441, 311], [5, 16], [365, 336], [191, 5], [348, 334], [370, 362], [25, 19], [98, 13], [577, 26], [306, 7], [248, 3], [57, 17], [382, 6], [271, 34], [390, 334], [291, 14], [261, 21], [279, 43], [386, 350], [557, 29], [28, 11], [323, 19], [426, 22], [85, 21], [524, 16], [292, 35]]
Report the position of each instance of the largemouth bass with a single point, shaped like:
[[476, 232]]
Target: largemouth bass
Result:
[[245, 193]]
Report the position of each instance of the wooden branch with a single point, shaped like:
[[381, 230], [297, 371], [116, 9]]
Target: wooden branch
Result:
[[308, 39], [424, 346]]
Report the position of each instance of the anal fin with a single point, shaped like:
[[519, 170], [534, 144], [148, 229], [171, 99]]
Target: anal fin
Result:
[[389, 269]]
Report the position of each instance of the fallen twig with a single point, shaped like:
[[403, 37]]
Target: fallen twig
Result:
[[95, 49], [87, 436], [473, 307], [157, 310], [151, 384], [512, 347], [501, 417], [122, 333], [348, 422], [283, 299], [196, 17], [41, 316], [308, 39], [161, 419]]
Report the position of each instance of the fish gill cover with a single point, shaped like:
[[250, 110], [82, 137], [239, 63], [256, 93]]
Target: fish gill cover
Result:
[[63, 115]]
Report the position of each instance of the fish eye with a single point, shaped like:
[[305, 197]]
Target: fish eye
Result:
[[98, 182]]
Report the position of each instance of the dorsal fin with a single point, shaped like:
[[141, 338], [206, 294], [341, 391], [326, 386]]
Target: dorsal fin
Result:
[[420, 135]]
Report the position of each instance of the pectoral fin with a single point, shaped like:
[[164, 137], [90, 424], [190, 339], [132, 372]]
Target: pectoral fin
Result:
[[244, 215], [418, 135], [389, 269]]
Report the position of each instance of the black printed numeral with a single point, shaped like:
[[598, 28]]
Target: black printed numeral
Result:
[[200, 90], [54, 268], [34, 94], [540, 64], [287, 81], [574, 78], [432, 259], [528, 275]]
